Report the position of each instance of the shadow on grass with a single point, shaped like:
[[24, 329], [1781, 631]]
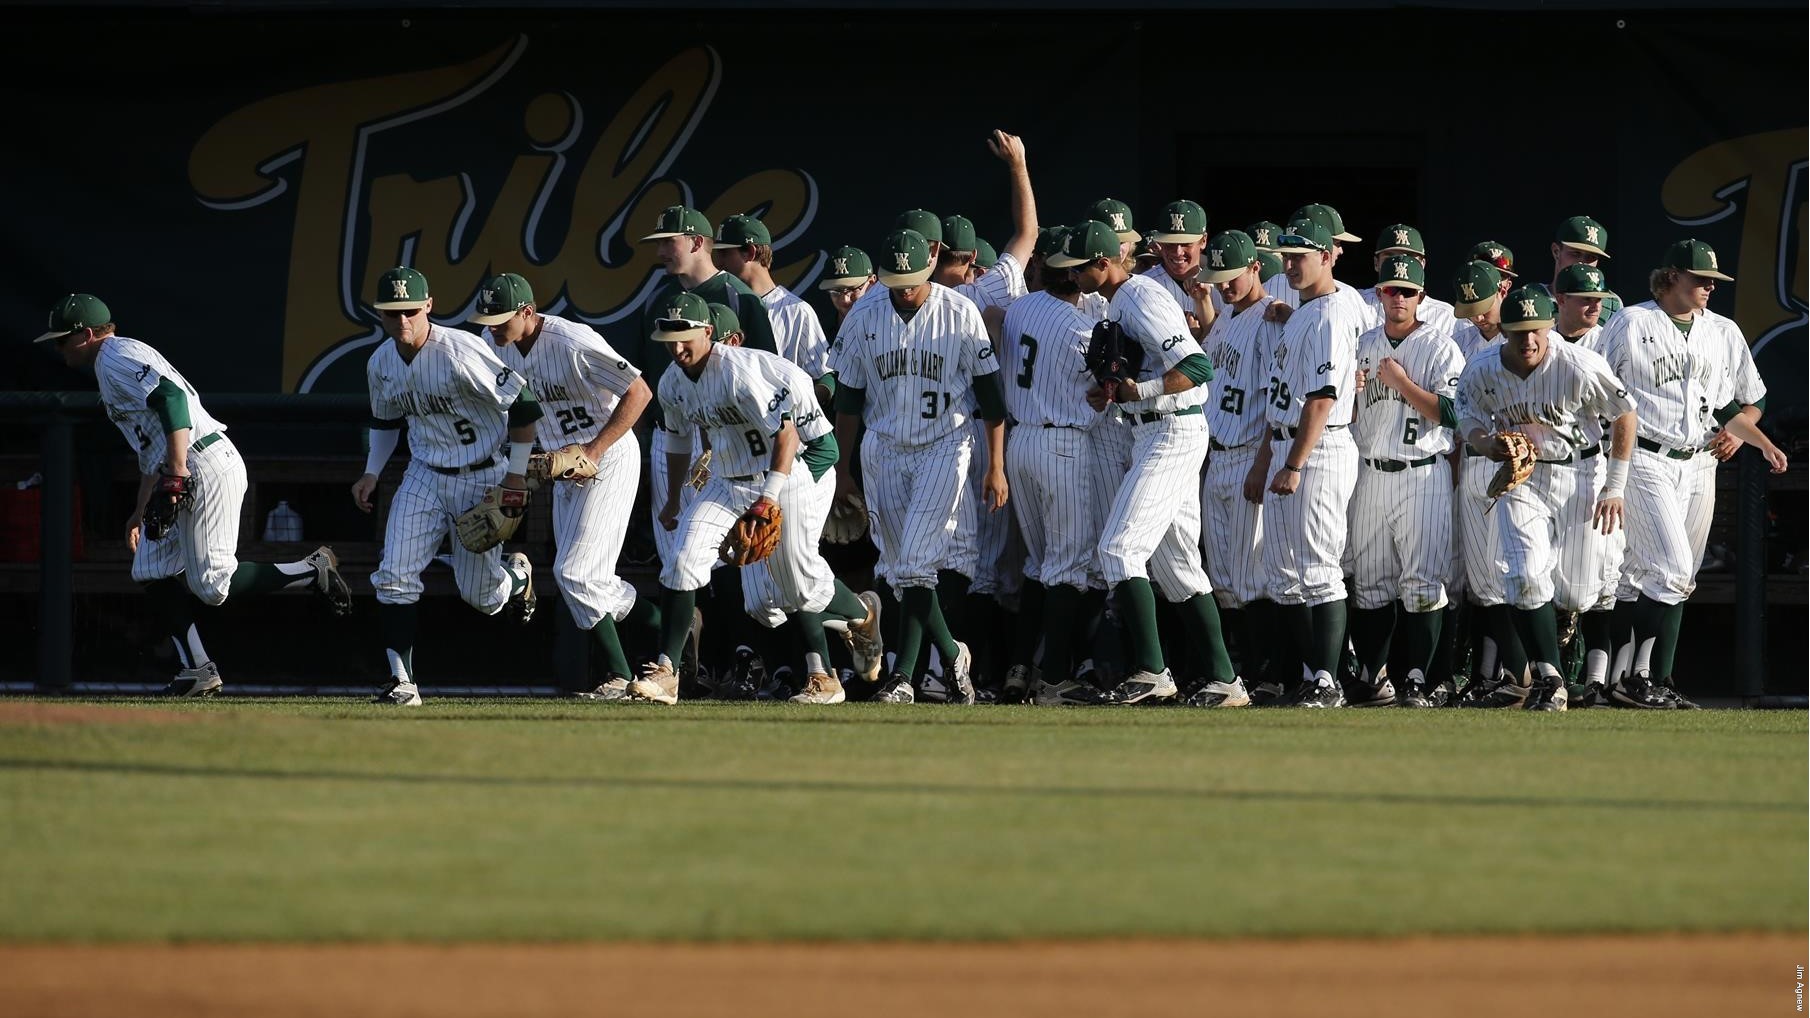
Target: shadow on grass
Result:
[[638, 783]]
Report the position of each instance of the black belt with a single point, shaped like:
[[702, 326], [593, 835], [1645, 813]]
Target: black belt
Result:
[[1217, 446], [1578, 457], [1278, 434], [1150, 416], [743, 478], [1397, 466], [484, 464], [206, 440], [1675, 454], [1076, 427]]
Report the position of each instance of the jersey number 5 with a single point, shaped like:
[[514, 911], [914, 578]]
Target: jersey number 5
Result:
[[468, 435]]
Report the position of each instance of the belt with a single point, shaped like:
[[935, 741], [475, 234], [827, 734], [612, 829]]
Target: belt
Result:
[[1216, 445], [1278, 434], [1150, 416], [483, 464], [1676, 454], [1076, 427], [1579, 456], [1397, 466], [206, 440], [743, 478]]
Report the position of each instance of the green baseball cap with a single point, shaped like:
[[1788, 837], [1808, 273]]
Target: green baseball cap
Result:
[[984, 254], [1475, 289], [723, 322], [1526, 309], [1584, 234], [1270, 264], [1402, 270], [904, 260], [1400, 237], [401, 289], [1328, 217], [1084, 244], [1116, 214], [848, 266], [1183, 222], [1496, 254], [1304, 236], [1049, 241], [75, 312], [1580, 280], [680, 221], [1227, 256], [927, 224], [686, 317], [958, 234], [740, 231], [1264, 234], [1696, 257], [500, 298]]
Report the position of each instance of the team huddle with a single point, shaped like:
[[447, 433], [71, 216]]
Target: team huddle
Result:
[[1099, 466]]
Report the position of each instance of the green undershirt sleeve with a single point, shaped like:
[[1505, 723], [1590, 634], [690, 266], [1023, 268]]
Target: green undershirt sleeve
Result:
[[1198, 369], [171, 405], [1728, 413], [1448, 414], [850, 400], [525, 410], [992, 401]]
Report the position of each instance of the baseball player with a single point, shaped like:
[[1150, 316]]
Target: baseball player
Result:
[[1497, 255], [1240, 344], [848, 276], [184, 532], [1179, 241], [1152, 530], [985, 257], [1117, 215], [1264, 234], [1402, 239], [1682, 378], [1401, 511], [1313, 458], [1581, 240], [744, 249], [1327, 218], [590, 398], [460, 402], [772, 452], [914, 367], [1547, 391]]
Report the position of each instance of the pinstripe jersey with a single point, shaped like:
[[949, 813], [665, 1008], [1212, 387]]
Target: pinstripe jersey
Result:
[[1678, 383], [1570, 386], [1003, 284], [918, 374], [1593, 429], [1043, 351], [1386, 426], [1150, 316], [740, 400], [577, 377], [455, 394], [1241, 346], [1748, 386], [653, 356], [1316, 351], [797, 334], [1277, 287], [128, 371], [1432, 311], [1182, 299], [1471, 339]]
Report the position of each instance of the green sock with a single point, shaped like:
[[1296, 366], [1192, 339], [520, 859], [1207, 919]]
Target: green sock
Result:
[[951, 604], [1137, 614], [844, 605], [1201, 615], [1029, 626], [396, 624], [816, 639], [1420, 636], [1511, 656], [645, 616], [1444, 664], [1087, 634], [1538, 629], [1258, 643], [1665, 651], [914, 618], [891, 615], [1328, 635], [614, 660], [252, 578], [1297, 637], [936, 630], [675, 622], [1648, 619], [1061, 606], [1370, 632], [175, 611]]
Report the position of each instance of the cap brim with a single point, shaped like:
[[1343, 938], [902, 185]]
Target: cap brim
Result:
[[1402, 250], [399, 305], [1531, 325], [840, 282], [497, 319], [1063, 261], [1583, 293], [1176, 238], [901, 280], [1298, 250], [723, 245], [1406, 284], [1712, 274], [679, 335], [1576, 246], [1129, 236], [1346, 238], [1223, 275], [1473, 309], [671, 233], [53, 335]]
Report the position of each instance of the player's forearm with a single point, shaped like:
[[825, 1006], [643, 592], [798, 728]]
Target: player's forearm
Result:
[[1480, 440], [848, 431], [1307, 435], [996, 445], [1024, 215], [678, 467], [1425, 403], [622, 419], [785, 449], [176, 451], [1621, 436], [1744, 428]]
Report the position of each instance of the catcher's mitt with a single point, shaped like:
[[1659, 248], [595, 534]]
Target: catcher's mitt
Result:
[[493, 520], [1517, 468], [567, 463], [1113, 358], [847, 520], [700, 472], [169, 496], [754, 536]]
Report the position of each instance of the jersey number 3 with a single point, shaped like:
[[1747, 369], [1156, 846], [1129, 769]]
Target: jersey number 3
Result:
[[1030, 360]]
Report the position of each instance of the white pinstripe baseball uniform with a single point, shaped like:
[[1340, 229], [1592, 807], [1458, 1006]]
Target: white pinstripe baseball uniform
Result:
[[982, 539], [1277, 287], [796, 331], [1182, 298], [455, 395], [1478, 549], [1241, 346], [579, 378], [1003, 284], [1607, 550], [1471, 339]]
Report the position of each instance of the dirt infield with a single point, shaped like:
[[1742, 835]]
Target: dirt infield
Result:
[[1735, 974], [32, 713]]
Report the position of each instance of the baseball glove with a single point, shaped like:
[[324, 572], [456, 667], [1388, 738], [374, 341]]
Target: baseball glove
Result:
[[567, 463], [700, 472], [1517, 468], [169, 496], [847, 520], [493, 520], [1113, 358], [754, 536]]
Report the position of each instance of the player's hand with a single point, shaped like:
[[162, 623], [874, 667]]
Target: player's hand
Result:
[[516, 481], [1096, 398], [994, 488], [669, 516], [1193, 321], [1277, 312], [1392, 374], [1285, 482], [1007, 147], [1608, 515], [133, 524], [1253, 483], [1360, 377], [362, 490], [1498, 449], [1725, 445], [1775, 456]]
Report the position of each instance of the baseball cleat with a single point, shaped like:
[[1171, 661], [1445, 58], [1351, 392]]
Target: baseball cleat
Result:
[[864, 639], [1497, 693], [1268, 694], [1017, 685], [1141, 686], [1679, 702], [327, 581], [1072, 693], [961, 687], [820, 688], [1221, 694], [658, 684], [1367, 695], [615, 689], [1547, 694], [1321, 693], [1638, 691], [896, 690], [1587, 694], [1413, 691], [202, 681], [399, 694], [520, 605]]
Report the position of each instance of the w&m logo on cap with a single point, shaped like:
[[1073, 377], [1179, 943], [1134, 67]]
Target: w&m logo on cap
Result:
[[1527, 309], [839, 266], [901, 261], [399, 289]]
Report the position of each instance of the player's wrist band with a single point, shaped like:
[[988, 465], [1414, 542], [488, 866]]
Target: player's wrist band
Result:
[[518, 456], [1291, 468], [769, 488], [1150, 389], [1616, 478]]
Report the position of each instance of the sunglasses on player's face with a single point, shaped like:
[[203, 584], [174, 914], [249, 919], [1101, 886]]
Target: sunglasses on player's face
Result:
[[1402, 292], [402, 312]]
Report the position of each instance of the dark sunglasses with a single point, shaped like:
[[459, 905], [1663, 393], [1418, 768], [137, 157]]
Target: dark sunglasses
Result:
[[402, 313], [1398, 291]]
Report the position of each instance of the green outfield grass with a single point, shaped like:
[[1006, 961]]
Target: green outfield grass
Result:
[[329, 820]]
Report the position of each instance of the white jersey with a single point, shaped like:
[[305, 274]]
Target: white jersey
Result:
[[1241, 345], [1149, 316], [1002, 284], [1386, 426], [1183, 299], [918, 373], [128, 372], [576, 375], [1432, 311], [455, 394], [1043, 347], [740, 401], [1678, 383], [1592, 340], [1316, 352], [1277, 286], [1570, 386], [1749, 389], [1471, 339], [796, 331]]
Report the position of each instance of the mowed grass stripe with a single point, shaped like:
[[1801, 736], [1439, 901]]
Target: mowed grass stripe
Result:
[[548, 821]]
